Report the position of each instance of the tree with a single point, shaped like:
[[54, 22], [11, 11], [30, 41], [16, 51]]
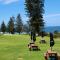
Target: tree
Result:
[[56, 32], [35, 10], [0, 29], [3, 27], [26, 28], [19, 24], [11, 25]]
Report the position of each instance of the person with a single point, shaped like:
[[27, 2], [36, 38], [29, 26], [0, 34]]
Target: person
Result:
[[33, 37], [51, 40]]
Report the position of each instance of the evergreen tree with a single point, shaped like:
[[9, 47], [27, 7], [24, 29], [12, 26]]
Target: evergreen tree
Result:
[[35, 10], [0, 29], [3, 27], [26, 28], [11, 25], [19, 24]]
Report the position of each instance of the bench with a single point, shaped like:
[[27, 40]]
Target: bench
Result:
[[33, 47], [43, 41], [51, 55]]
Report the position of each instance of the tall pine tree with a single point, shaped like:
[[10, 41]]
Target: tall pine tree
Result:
[[35, 10], [19, 24], [11, 25], [3, 27]]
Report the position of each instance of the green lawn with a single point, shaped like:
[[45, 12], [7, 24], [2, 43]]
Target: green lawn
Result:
[[14, 47]]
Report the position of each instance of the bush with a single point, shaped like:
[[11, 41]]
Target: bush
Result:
[[57, 35], [43, 33]]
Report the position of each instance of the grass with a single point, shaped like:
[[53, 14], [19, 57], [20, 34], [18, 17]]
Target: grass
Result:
[[14, 47]]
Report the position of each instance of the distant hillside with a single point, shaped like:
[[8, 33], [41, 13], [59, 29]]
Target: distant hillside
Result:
[[52, 28]]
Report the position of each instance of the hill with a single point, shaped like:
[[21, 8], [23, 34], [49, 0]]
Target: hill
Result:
[[52, 28]]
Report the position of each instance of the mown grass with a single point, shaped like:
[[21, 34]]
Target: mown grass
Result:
[[14, 47]]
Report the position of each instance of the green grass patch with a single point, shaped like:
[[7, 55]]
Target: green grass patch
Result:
[[14, 47]]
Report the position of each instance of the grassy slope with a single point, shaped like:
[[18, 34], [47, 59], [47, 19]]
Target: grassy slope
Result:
[[15, 48]]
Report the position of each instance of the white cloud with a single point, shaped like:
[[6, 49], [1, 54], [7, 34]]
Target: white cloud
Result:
[[52, 19], [8, 1], [51, 15]]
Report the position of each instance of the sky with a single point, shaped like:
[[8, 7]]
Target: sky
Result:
[[10, 8]]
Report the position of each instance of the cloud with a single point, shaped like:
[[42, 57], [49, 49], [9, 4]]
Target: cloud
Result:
[[51, 15], [8, 1]]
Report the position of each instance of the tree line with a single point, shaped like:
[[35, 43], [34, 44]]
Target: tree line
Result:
[[15, 25], [35, 11]]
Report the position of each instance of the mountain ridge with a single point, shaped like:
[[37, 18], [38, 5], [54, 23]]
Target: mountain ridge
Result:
[[52, 28]]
